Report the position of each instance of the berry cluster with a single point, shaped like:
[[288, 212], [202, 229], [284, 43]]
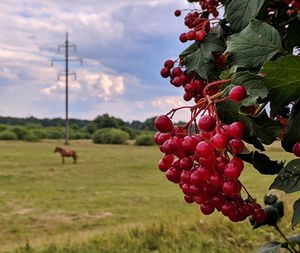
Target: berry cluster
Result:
[[198, 25], [193, 85], [206, 166], [210, 6]]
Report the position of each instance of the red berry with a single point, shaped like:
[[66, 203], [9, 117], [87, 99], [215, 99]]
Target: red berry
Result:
[[189, 199], [173, 175], [237, 129], [219, 141], [163, 124], [296, 149], [237, 93], [207, 123], [231, 187], [190, 35], [207, 208], [204, 149], [165, 72], [237, 146], [183, 38], [259, 216], [177, 13], [200, 35], [169, 64]]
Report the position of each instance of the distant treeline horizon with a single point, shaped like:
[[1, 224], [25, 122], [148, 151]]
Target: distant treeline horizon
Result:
[[102, 121]]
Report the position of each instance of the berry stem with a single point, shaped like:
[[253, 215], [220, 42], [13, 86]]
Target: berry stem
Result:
[[213, 84], [284, 237], [248, 193]]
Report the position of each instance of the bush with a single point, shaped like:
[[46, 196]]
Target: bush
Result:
[[40, 133], [8, 135], [55, 132], [144, 140], [20, 131], [3, 127], [110, 136], [31, 137]]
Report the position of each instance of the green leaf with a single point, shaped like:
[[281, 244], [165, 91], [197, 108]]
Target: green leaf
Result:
[[270, 247], [239, 13], [201, 61], [255, 86], [265, 128], [283, 81], [288, 180], [254, 45], [189, 50], [292, 132], [296, 215], [262, 163]]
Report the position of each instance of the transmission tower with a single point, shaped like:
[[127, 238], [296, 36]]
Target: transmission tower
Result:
[[66, 47]]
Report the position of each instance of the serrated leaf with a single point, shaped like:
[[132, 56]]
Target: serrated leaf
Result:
[[239, 13], [283, 81], [296, 216], [270, 247], [262, 163], [189, 50], [202, 61], [292, 132], [254, 45], [288, 179], [265, 128], [255, 86]]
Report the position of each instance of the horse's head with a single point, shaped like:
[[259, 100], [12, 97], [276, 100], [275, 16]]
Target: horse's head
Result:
[[57, 149]]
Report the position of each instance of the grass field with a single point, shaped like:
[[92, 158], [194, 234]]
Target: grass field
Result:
[[113, 200]]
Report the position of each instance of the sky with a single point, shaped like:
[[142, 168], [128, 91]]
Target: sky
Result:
[[123, 45]]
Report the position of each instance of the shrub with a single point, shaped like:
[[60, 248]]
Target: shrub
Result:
[[31, 137], [144, 140], [40, 133], [55, 132], [8, 135], [110, 136], [3, 127], [20, 131]]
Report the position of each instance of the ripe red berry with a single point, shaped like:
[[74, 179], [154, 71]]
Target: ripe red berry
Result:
[[163, 124], [237, 129], [296, 149], [237, 146], [237, 93], [206, 208], [200, 35], [219, 141], [204, 149], [165, 72], [173, 175], [207, 123], [169, 64], [177, 13], [259, 216], [183, 38], [231, 187], [190, 35]]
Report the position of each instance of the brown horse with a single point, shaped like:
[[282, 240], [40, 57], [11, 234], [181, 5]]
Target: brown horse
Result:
[[64, 153]]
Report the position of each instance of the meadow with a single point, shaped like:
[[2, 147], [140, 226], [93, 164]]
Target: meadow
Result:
[[113, 200]]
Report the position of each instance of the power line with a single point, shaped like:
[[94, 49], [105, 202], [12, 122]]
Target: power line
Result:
[[66, 75]]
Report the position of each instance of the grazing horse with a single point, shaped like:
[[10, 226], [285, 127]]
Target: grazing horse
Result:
[[64, 153]]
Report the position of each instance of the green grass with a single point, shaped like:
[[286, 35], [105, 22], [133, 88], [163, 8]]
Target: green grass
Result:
[[113, 200]]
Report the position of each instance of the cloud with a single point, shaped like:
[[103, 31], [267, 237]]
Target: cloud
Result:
[[123, 44]]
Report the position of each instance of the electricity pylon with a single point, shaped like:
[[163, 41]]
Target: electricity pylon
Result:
[[66, 74]]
